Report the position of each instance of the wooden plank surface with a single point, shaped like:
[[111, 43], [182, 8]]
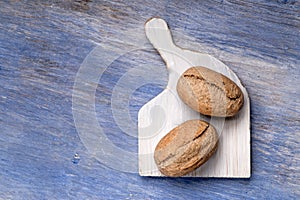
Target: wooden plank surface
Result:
[[43, 44]]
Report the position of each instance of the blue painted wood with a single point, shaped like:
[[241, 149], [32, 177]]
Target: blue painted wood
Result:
[[42, 45]]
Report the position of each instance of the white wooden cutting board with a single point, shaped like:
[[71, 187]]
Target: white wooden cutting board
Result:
[[166, 111]]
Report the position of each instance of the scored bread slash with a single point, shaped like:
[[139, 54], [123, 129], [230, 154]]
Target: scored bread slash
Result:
[[166, 111]]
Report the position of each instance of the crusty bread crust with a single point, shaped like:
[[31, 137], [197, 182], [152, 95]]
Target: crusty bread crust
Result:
[[209, 92], [186, 148]]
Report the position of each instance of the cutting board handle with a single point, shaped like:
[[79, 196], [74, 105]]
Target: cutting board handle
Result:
[[158, 33]]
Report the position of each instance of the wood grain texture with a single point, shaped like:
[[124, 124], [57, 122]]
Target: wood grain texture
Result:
[[43, 44]]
